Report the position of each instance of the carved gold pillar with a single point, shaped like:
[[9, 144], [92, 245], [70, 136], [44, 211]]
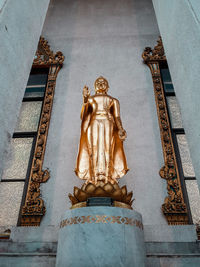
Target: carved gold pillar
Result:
[[174, 207], [33, 209]]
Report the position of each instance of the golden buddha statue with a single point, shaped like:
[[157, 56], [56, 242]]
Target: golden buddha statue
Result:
[[101, 157]]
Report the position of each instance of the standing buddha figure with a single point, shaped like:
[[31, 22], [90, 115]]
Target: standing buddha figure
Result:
[[101, 157]]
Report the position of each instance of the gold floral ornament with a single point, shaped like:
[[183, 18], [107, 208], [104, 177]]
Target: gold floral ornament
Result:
[[101, 160], [45, 56]]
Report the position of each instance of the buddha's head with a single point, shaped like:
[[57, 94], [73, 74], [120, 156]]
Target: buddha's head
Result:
[[101, 85]]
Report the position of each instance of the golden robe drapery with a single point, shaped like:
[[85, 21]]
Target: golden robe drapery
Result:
[[101, 155]]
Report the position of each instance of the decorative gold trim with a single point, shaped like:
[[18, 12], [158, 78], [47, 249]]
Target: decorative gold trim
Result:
[[79, 205], [174, 207], [119, 204], [115, 204], [101, 219], [34, 209]]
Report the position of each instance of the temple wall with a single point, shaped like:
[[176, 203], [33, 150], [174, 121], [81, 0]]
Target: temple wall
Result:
[[101, 38], [104, 38], [179, 23], [20, 29]]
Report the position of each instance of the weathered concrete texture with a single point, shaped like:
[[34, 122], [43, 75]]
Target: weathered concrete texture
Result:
[[173, 254], [2, 4], [174, 261], [34, 234], [173, 248], [31, 260], [24, 248], [20, 29], [29, 246], [170, 233], [104, 38], [179, 23], [107, 237], [37, 246]]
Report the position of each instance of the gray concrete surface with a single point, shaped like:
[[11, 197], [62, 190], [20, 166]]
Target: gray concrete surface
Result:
[[20, 28], [170, 233], [179, 23], [104, 38], [37, 246]]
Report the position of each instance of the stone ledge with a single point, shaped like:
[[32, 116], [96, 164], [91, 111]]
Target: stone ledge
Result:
[[170, 233], [27, 247], [27, 254], [163, 255]]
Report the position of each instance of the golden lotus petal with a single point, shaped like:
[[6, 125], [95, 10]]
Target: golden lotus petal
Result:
[[117, 195], [82, 196], [102, 190], [128, 198], [90, 188], [100, 184], [124, 190], [108, 188], [99, 192], [72, 199], [116, 186], [83, 187], [76, 191]]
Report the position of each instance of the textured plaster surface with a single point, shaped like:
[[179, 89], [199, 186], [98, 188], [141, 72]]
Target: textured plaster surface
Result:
[[34, 234], [173, 261], [20, 29], [170, 233], [2, 4], [46, 260], [179, 23], [104, 38]]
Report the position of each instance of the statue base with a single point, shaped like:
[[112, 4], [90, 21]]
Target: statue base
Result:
[[120, 196], [101, 236]]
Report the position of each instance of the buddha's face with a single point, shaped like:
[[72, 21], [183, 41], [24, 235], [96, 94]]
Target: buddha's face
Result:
[[101, 86]]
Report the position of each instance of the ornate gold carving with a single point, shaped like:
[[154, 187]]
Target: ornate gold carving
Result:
[[34, 208], [120, 195], [101, 219], [157, 54], [174, 207], [44, 55]]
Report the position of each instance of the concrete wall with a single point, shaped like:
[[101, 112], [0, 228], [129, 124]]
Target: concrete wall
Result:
[[20, 28], [179, 23], [37, 246], [104, 38]]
